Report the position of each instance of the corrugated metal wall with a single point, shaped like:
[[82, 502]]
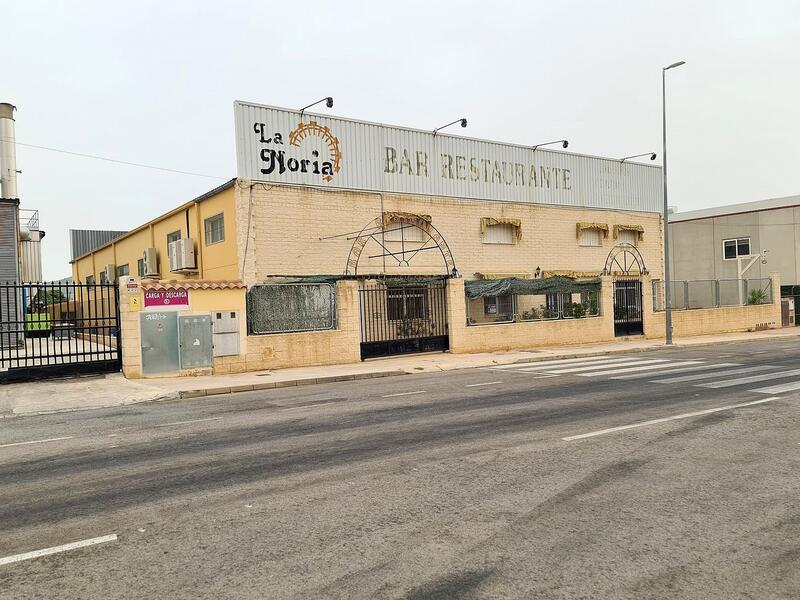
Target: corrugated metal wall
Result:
[[9, 264], [10, 307], [31, 260], [82, 241], [278, 146]]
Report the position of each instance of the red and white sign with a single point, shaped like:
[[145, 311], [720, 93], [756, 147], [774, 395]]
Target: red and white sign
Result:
[[162, 298]]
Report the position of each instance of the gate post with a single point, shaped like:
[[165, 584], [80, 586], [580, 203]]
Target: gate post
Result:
[[607, 304], [456, 314], [131, 350]]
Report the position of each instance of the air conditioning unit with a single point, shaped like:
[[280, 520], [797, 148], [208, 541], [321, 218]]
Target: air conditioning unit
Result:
[[111, 273], [181, 256], [150, 262]]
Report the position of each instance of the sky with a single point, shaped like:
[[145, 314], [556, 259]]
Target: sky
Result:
[[154, 82]]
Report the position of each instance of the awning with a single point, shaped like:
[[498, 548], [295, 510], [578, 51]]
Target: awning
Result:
[[581, 226], [637, 228], [395, 216], [487, 222], [491, 288], [506, 275]]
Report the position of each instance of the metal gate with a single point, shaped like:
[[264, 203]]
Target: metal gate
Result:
[[58, 330], [628, 307], [399, 319]]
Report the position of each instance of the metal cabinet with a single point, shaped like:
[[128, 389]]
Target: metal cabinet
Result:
[[226, 332], [159, 343], [196, 344]]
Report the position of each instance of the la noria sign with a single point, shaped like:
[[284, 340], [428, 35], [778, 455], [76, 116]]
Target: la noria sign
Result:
[[277, 145]]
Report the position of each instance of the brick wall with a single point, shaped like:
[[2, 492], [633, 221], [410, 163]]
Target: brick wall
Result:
[[281, 234], [520, 336]]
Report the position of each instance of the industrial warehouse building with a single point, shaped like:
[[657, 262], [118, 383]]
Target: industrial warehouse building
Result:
[[738, 242], [341, 240]]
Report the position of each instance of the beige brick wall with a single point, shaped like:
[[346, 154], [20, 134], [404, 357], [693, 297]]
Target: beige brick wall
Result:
[[286, 224], [338, 346], [520, 336]]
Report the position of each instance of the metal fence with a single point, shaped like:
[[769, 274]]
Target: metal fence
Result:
[[713, 293], [520, 308], [291, 307], [58, 329]]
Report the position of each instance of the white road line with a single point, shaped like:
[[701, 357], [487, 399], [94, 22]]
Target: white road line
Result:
[[752, 379], [485, 383], [665, 419], [549, 367], [188, 422], [560, 361], [68, 437], [644, 368], [404, 394], [672, 371], [630, 363], [683, 378], [779, 389], [56, 549]]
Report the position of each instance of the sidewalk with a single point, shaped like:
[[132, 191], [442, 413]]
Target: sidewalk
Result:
[[114, 390]]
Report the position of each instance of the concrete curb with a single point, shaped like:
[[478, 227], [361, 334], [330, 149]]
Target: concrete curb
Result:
[[199, 393]]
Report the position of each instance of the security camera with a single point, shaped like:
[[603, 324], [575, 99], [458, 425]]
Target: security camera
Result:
[[463, 122], [329, 102], [653, 156], [565, 144]]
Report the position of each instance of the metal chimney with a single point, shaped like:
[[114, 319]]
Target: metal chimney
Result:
[[8, 153]]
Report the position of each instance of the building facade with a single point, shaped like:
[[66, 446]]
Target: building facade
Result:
[[341, 240]]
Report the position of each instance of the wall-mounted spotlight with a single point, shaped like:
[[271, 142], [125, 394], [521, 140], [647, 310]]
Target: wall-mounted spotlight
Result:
[[564, 144], [652, 156], [327, 100], [463, 122]]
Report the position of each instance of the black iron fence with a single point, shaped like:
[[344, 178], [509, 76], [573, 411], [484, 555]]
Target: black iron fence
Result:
[[58, 329], [397, 319]]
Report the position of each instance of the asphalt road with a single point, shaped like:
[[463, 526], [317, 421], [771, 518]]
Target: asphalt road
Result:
[[447, 485]]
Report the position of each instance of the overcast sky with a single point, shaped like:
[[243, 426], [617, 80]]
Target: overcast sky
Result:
[[154, 82]]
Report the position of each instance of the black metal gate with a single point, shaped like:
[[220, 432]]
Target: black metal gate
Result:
[[628, 307], [58, 330], [399, 319]]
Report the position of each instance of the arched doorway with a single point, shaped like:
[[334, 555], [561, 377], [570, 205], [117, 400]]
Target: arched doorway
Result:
[[626, 265]]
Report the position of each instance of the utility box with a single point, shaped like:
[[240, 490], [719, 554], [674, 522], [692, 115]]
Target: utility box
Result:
[[159, 343], [196, 344], [226, 332]]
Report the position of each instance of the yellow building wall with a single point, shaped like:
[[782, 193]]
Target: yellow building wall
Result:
[[218, 261]]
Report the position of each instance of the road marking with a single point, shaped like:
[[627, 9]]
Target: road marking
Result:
[[486, 383], [56, 549], [628, 363], [779, 389], [751, 379], [665, 419], [560, 361], [644, 368], [559, 364], [68, 437], [672, 371], [716, 374], [188, 422], [404, 394]]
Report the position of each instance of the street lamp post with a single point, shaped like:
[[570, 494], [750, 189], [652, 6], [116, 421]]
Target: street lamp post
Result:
[[667, 291]]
